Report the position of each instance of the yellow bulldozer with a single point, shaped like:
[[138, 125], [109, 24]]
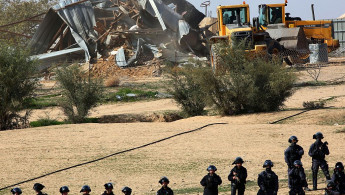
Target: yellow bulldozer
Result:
[[234, 23], [273, 32], [294, 34]]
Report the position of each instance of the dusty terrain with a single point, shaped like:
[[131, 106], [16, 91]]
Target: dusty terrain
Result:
[[183, 159]]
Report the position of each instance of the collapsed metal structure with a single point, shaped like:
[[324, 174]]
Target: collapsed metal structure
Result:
[[133, 30]]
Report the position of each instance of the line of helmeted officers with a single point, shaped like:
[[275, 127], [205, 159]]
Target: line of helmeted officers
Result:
[[267, 180], [85, 190]]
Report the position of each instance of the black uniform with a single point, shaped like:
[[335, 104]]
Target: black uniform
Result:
[[338, 178], [297, 181], [105, 193], [292, 153], [210, 184], [318, 150], [268, 183], [240, 183], [165, 191]]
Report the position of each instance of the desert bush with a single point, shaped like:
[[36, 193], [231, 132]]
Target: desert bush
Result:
[[247, 82], [244, 82], [16, 85], [311, 105], [80, 93], [113, 81], [186, 90]]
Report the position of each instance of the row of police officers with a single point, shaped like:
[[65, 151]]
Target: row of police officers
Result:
[[267, 179]]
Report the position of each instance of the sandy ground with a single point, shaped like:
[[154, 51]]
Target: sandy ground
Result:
[[28, 153]]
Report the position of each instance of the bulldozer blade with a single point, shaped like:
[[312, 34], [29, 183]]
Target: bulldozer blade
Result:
[[291, 38]]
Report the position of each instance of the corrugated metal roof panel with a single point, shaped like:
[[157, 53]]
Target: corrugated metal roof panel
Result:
[[45, 33]]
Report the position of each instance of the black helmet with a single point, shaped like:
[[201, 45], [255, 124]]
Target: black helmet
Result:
[[85, 188], [16, 190], [318, 135], [163, 179], [38, 187], [211, 167], [126, 190], [64, 189], [108, 186], [238, 160], [268, 163], [339, 166], [298, 162], [331, 184], [293, 138]]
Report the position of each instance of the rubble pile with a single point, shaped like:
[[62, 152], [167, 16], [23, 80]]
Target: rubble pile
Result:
[[115, 34], [107, 68]]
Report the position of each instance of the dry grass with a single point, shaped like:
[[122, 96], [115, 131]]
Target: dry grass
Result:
[[113, 81], [337, 117], [183, 159]]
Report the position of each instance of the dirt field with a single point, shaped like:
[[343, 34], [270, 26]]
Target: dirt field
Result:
[[183, 159]]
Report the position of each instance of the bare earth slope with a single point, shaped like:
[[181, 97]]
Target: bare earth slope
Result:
[[33, 152]]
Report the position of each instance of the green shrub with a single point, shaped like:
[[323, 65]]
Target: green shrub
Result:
[[16, 85], [45, 122], [242, 82], [247, 82], [186, 90], [311, 105], [80, 93]]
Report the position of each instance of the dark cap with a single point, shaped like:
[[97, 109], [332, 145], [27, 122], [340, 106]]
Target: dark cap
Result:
[[238, 160], [163, 179], [16, 190], [38, 187], [108, 186], [64, 189], [85, 188]]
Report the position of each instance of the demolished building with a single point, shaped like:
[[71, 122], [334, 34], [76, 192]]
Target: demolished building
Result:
[[134, 31]]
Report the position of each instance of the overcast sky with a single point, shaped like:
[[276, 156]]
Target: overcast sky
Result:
[[324, 9]]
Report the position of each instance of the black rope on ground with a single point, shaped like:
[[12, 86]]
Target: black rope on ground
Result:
[[121, 152], [277, 121]]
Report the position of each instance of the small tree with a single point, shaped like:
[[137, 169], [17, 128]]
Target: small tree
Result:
[[80, 93], [186, 90], [16, 85]]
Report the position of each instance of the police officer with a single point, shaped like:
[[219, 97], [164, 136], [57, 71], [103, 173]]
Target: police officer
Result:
[[108, 189], [64, 190], [211, 181], [297, 179], [165, 190], [331, 189], [38, 189], [318, 150], [126, 190], [16, 191], [338, 177], [292, 153], [238, 176], [85, 190], [268, 180]]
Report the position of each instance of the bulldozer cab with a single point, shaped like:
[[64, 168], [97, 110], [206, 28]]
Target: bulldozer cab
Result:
[[233, 17], [271, 14]]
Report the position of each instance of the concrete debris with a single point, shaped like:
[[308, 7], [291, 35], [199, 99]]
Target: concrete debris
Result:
[[136, 32]]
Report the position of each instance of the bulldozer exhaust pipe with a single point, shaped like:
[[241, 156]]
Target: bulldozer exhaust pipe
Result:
[[312, 11]]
